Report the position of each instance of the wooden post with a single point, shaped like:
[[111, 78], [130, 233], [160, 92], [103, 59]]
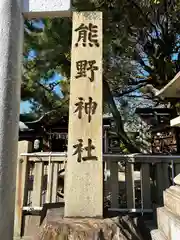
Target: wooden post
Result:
[[21, 185], [84, 173], [55, 182], [37, 184], [145, 186], [49, 183], [114, 184], [130, 188], [162, 180]]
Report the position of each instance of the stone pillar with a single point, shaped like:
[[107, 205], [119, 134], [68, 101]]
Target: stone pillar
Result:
[[84, 172], [21, 183], [11, 36]]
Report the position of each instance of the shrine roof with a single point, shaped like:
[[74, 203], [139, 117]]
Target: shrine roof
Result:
[[172, 89], [151, 111], [157, 117], [48, 122], [161, 128]]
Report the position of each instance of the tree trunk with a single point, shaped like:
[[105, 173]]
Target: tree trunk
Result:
[[108, 98]]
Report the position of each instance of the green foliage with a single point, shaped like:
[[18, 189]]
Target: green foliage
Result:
[[141, 46]]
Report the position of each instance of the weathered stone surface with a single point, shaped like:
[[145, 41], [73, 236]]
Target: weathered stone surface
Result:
[[124, 228], [84, 170], [45, 8], [168, 223], [31, 225], [11, 44], [158, 235], [172, 199], [177, 179]]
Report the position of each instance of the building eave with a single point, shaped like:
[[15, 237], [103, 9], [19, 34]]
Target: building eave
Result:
[[172, 89]]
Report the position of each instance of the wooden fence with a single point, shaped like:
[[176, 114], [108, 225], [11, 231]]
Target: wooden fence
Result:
[[139, 187], [132, 183], [39, 180]]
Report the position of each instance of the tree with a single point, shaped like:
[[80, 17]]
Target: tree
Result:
[[141, 46]]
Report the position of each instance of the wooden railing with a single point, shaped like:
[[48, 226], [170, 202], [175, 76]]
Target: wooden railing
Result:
[[132, 183], [140, 186], [38, 175], [44, 169]]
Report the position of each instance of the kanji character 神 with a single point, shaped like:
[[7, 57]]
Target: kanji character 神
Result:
[[80, 106], [89, 107]]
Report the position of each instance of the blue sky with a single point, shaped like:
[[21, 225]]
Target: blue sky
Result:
[[25, 105]]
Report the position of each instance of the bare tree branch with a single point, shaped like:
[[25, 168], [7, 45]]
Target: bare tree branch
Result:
[[145, 16], [49, 112], [130, 90]]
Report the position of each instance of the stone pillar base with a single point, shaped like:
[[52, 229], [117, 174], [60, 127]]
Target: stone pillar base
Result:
[[77, 229], [119, 228]]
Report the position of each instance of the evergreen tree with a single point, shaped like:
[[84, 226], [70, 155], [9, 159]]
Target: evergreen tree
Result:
[[141, 47]]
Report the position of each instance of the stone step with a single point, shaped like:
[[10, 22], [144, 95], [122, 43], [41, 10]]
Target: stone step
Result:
[[168, 223], [157, 235], [172, 199]]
